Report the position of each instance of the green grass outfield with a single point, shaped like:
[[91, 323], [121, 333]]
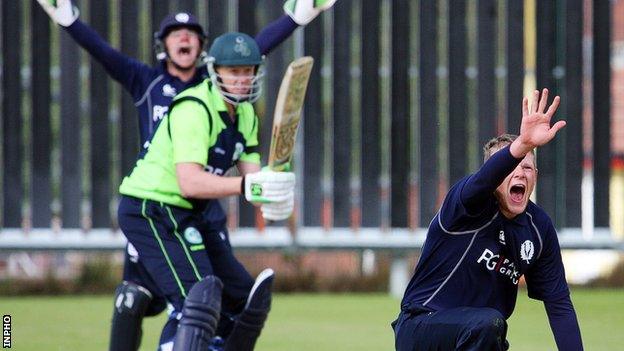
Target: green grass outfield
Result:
[[304, 322]]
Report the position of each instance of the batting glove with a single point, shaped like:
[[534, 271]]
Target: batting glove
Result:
[[60, 11], [304, 11], [269, 186], [278, 211]]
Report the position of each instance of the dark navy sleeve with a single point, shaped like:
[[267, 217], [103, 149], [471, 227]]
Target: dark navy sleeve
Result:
[[275, 33], [546, 278], [564, 324], [120, 67], [481, 185], [473, 197]]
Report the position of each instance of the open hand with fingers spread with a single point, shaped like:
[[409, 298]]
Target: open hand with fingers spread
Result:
[[535, 128]]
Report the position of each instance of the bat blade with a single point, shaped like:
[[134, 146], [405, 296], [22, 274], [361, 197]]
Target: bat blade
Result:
[[288, 112]]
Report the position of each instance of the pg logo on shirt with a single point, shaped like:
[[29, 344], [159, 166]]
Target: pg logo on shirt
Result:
[[502, 265]]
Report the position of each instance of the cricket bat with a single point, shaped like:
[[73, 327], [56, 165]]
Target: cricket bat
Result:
[[288, 112]]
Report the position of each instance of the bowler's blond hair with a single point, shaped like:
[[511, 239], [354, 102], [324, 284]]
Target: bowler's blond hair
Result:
[[498, 143]]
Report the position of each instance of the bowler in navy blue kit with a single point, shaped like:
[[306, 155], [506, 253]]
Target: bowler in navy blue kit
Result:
[[486, 236]]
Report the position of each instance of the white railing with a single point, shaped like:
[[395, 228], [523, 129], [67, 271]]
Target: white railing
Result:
[[277, 238]]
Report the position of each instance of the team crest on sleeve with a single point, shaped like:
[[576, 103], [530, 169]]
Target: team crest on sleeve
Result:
[[168, 90], [192, 235], [527, 250]]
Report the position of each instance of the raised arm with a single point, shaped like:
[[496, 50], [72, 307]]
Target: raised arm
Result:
[[119, 66], [298, 13], [535, 130]]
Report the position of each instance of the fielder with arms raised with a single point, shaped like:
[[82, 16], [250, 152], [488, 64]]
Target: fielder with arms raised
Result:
[[487, 235]]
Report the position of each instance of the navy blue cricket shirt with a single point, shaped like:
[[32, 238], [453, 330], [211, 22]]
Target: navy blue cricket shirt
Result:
[[474, 256]]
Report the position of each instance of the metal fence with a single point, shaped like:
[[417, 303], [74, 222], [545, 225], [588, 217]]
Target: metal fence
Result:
[[402, 96]]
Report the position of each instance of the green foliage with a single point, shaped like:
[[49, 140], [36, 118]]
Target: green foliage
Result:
[[47, 286], [295, 272], [96, 275]]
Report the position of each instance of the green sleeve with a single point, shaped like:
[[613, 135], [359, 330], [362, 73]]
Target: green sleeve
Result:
[[253, 157], [189, 133]]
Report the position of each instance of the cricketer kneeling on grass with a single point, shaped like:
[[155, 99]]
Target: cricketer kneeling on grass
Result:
[[487, 235]]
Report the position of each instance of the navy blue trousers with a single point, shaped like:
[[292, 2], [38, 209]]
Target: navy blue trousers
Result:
[[462, 328], [163, 260]]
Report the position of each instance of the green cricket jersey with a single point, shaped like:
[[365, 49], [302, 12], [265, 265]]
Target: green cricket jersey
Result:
[[199, 130]]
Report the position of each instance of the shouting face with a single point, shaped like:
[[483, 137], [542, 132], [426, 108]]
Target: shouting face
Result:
[[514, 192], [183, 46]]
